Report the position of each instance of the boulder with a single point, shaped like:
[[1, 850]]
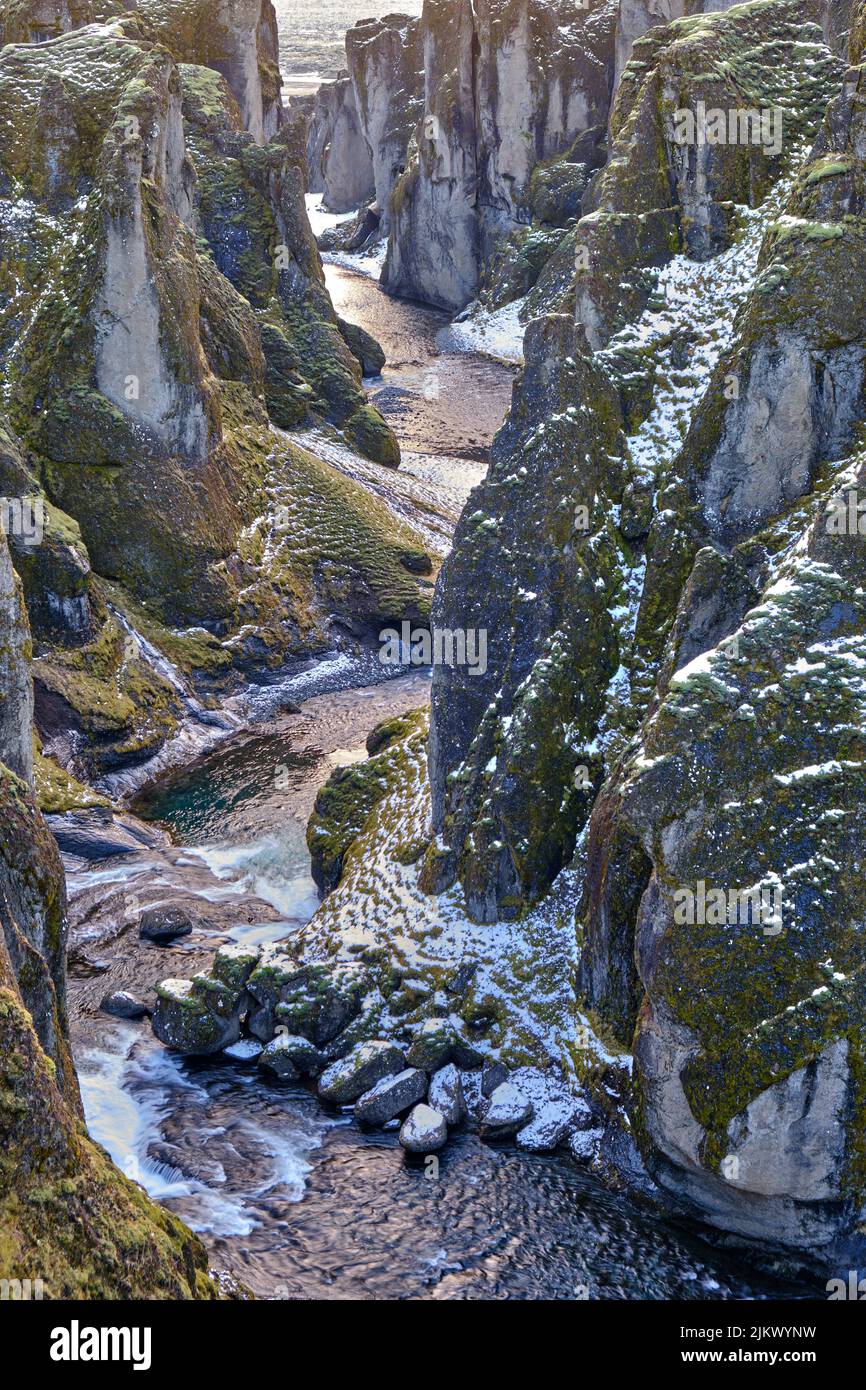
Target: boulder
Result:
[[506, 1112], [391, 1096], [121, 1004], [288, 1056], [424, 1131], [199, 1016], [164, 924], [244, 1050], [432, 1045], [446, 1094], [347, 1079]]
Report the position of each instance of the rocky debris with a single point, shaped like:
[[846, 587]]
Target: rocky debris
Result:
[[432, 1044], [122, 1004], [288, 1056], [424, 1131], [164, 924], [246, 1050], [446, 1094], [391, 1096], [368, 1062], [505, 1113], [198, 1016]]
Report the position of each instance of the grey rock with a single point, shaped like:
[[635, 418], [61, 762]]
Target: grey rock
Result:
[[121, 1004], [344, 1081], [432, 1045], [446, 1094], [424, 1131], [244, 1050], [391, 1096], [506, 1112], [303, 1055], [493, 1074], [162, 924]]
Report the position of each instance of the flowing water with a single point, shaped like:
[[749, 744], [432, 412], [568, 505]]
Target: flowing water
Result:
[[296, 1202]]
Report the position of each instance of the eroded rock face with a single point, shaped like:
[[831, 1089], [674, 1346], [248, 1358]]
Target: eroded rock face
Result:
[[65, 1211], [537, 576], [338, 155], [385, 63], [238, 38], [506, 86]]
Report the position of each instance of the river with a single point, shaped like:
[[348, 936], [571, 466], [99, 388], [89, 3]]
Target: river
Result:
[[296, 1203]]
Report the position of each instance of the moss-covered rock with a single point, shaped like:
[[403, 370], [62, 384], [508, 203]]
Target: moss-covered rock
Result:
[[344, 803]]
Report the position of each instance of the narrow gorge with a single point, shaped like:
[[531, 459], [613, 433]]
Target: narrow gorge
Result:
[[431, 704]]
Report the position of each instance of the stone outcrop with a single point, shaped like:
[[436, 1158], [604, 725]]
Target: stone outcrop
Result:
[[67, 1216], [386, 63], [339, 162], [163, 302], [507, 86]]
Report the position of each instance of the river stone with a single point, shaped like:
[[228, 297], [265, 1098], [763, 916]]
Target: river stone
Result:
[[121, 1004], [493, 1074], [446, 1094], [163, 924], [321, 1001], [431, 1045], [198, 1016], [346, 1080], [424, 1131], [289, 1055], [390, 1096], [245, 1050], [548, 1128], [506, 1112]]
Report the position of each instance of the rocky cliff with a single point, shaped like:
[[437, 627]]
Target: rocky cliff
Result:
[[68, 1218], [162, 305], [506, 87], [663, 748]]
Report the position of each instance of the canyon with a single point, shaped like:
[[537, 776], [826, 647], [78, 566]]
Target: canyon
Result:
[[671, 693]]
